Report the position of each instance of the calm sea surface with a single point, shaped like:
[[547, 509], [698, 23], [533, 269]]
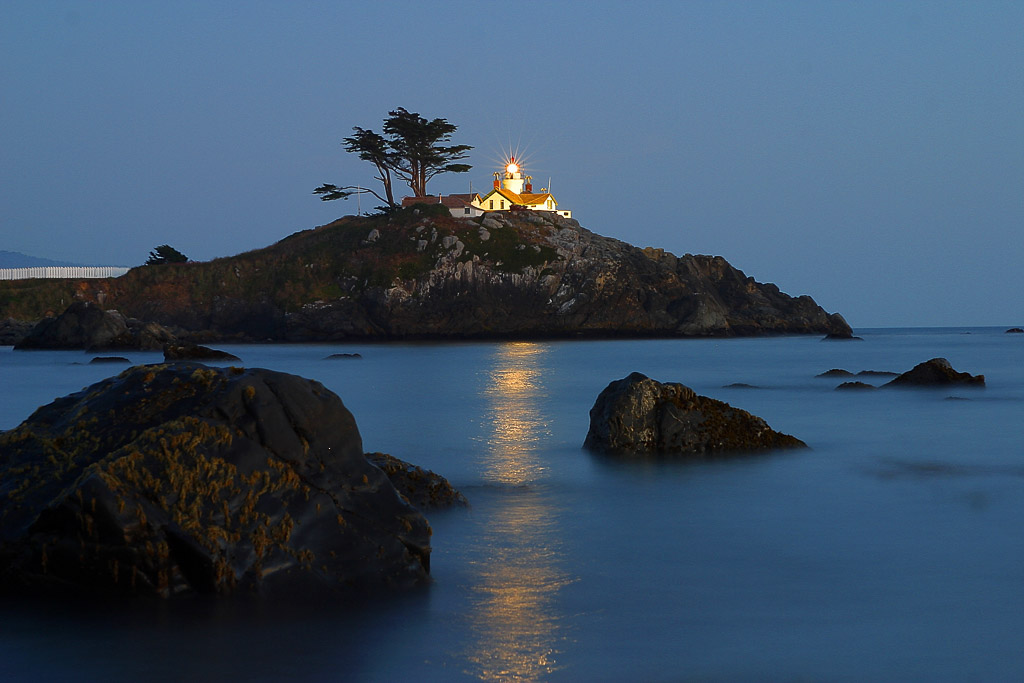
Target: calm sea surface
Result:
[[892, 550]]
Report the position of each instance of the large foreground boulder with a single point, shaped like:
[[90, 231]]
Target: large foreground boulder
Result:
[[936, 372], [87, 326], [638, 415], [177, 479]]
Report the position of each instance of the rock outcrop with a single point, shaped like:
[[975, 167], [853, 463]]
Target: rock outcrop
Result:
[[426, 275], [85, 325], [424, 489], [177, 479], [640, 416], [13, 331], [936, 372]]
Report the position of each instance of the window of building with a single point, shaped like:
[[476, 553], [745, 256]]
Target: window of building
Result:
[[465, 210], [502, 203], [491, 207]]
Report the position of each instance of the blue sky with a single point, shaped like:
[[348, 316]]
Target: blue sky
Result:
[[870, 154]]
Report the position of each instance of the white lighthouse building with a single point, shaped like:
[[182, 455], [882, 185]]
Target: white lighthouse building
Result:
[[513, 191]]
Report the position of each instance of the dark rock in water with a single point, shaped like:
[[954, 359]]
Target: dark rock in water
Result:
[[177, 479], [876, 373], [854, 386], [836, 372], [740, 385], [81, 326], [424, 489], [342, 356], [936, 372], [195, 352], [108, 359], [841, 334], [13, 331], [87, 326], [1015, 330], [638, 415]]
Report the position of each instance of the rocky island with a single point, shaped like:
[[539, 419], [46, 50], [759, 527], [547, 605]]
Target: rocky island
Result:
[[419, 273]]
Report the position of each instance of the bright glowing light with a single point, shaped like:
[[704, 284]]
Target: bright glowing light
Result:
[[512, 167]]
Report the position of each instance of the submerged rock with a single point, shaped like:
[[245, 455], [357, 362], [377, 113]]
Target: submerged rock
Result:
[[187, 351], [936, 372], [638, 415], [855, 386], [177, 479]]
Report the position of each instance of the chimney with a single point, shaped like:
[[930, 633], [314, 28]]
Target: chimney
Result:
[[529, 188]]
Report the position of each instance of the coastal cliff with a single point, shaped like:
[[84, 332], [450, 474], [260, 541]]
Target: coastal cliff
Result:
[[421, 274]]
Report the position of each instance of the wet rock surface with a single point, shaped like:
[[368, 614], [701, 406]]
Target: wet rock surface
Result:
[[171, 480], [640, 416]]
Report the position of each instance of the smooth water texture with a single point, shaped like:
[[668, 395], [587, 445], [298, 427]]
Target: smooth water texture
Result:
[[891, 550]]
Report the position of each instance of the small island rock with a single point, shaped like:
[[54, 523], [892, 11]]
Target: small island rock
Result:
[[186, 351], [172, 480], [638, 415], [835, 372], [855, 386], [99, 360], [936, 372]]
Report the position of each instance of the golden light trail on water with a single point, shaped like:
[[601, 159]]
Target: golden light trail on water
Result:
[[516, 626]]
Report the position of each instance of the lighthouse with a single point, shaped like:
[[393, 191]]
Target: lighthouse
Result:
[[513, 191], [513, 179]]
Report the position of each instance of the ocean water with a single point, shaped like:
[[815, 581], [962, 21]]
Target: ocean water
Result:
[[892, 549]]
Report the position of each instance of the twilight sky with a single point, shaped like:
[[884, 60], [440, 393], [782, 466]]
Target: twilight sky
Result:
[[870, 154]]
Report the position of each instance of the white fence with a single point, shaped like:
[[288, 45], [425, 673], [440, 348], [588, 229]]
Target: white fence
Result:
[[62, 272]]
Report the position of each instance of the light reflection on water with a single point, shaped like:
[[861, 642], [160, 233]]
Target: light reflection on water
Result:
[[514, 625]]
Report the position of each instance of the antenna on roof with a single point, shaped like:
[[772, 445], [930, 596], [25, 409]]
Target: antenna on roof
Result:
[[359, 200]]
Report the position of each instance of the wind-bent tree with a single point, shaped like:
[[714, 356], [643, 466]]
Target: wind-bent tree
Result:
[[412, 148], [165, 253]]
